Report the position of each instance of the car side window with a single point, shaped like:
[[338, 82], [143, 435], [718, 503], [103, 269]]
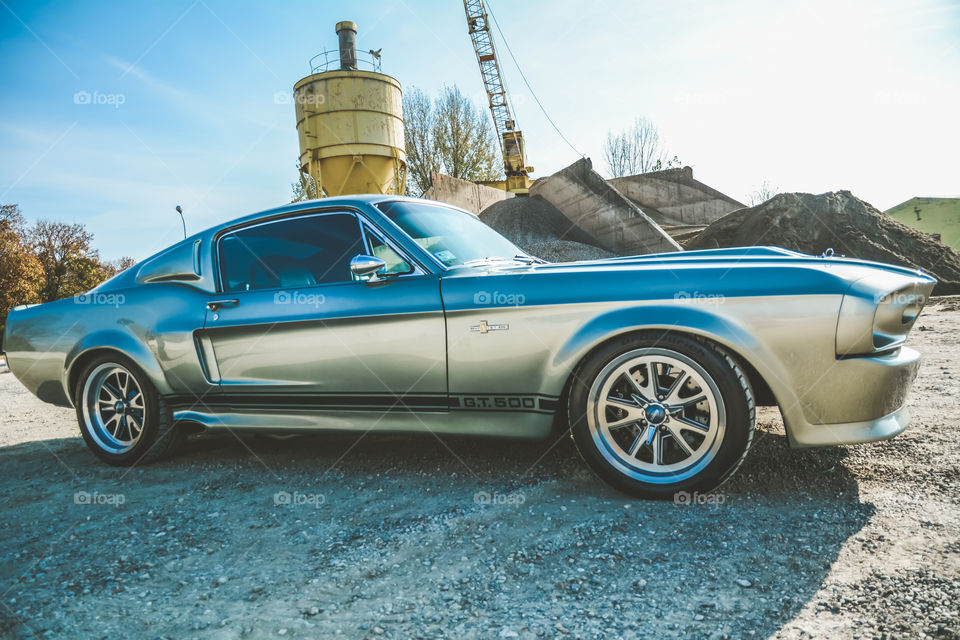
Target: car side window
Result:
[[296, 252], [396, 265]]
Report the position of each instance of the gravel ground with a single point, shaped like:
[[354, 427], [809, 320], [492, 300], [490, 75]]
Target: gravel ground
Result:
[[404, 537]]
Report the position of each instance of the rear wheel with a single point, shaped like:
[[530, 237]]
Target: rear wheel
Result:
[[657, 414], [122, 418]]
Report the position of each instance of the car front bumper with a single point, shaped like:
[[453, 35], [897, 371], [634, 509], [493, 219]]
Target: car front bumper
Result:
[[858, 400]]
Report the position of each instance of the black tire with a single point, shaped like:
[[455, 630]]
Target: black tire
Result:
[[728, 446], [158, 437]]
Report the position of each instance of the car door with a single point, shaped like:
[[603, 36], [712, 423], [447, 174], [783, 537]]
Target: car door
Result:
[[293, 327]]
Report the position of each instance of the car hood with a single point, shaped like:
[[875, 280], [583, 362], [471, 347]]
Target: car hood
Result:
[[743, 271]]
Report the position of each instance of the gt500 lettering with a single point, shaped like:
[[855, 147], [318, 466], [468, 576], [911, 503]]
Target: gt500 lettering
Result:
[[499, 402]]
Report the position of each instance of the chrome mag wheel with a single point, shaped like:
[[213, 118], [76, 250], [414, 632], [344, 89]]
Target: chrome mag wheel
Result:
[[656, 415], [113, 408]]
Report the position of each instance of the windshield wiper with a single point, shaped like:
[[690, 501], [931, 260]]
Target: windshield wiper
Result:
[[529, 259], [525, 259], [469, 263]]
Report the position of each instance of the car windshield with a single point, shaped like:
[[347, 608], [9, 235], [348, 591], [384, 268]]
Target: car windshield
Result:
[[453, 237]]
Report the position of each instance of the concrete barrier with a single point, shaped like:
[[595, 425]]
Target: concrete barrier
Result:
[[674, 197], [463, 193], [589, 202]]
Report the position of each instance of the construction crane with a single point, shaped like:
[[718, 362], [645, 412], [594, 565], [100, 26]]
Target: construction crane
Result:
[[508, 135]]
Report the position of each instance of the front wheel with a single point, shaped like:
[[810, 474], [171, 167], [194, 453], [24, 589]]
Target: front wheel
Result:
[[122, 418], [658, 414]]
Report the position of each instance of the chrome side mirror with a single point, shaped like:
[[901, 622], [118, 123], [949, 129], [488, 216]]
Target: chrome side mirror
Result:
[[366, 267]]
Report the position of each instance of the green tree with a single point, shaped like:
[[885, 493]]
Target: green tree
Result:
[[452, 136], [418, 126]]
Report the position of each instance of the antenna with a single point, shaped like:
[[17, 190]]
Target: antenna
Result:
[[180, 211]]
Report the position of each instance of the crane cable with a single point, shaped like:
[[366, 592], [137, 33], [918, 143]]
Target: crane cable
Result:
[[526, 82]]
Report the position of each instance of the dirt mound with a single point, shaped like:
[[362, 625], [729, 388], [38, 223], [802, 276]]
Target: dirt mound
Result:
[[566, 251], [540, 229], [839, 220]]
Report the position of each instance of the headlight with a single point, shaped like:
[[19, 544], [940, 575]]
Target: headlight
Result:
[[877, 313]]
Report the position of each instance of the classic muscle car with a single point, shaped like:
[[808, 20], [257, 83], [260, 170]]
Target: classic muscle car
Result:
[[398, 314]]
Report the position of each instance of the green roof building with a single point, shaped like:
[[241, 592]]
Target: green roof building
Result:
[[931, 215]]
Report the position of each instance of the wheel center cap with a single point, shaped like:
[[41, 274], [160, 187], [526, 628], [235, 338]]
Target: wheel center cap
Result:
[[655, 413], [120, 407]]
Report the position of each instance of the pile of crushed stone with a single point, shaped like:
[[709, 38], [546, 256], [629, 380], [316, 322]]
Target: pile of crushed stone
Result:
[[839, 221], [540, 229]]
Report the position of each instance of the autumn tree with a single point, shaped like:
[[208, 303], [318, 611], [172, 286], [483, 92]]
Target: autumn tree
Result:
[[20, 273], [69, 264], [115, 267]]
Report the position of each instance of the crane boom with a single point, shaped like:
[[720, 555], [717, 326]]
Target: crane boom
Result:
[[509, 137]]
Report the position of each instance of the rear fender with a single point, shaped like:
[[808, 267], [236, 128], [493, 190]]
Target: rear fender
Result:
[[119, 342]]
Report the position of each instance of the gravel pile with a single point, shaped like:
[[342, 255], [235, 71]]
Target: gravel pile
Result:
[[540, 229], [838, 220]]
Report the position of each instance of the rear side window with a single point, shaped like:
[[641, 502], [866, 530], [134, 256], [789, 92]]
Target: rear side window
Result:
[[297, 252]]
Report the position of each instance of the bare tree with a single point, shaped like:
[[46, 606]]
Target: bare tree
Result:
[[762, 193], [452, 136], [637, 149], [305, 188]]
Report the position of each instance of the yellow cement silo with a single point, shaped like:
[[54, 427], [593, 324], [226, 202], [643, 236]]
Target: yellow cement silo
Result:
[[350, 124]]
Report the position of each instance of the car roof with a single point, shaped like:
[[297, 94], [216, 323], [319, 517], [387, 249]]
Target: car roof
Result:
[[307, 205]]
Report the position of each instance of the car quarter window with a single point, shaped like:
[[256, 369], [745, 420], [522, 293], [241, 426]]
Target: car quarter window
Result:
[[396, 265], [295, 252]]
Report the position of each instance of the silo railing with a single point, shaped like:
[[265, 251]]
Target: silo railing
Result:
[[329, 60]]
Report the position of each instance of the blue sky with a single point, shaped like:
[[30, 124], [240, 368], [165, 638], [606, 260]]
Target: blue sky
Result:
[[811, 96]]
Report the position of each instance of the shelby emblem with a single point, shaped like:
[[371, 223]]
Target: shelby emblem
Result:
[[486, 327]]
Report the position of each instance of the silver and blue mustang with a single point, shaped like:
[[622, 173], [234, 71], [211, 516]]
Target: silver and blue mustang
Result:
[[397, 314]]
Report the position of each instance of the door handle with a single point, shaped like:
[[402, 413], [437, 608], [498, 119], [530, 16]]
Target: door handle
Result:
[[215, 305]]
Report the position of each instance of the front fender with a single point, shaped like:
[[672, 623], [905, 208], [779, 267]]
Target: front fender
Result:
[[700, 321]]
